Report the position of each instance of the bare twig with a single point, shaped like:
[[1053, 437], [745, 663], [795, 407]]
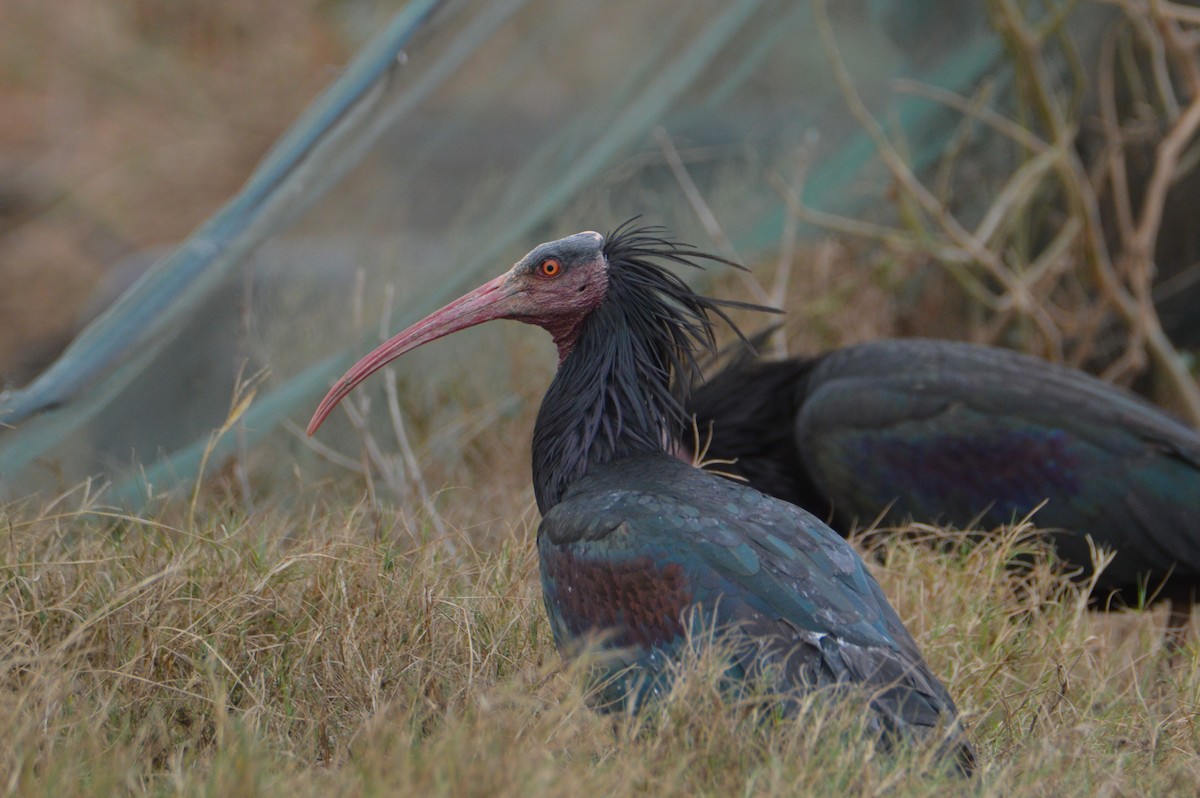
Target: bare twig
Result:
[[1008, 262], [1131, 300], [324, 452], [410, 459], [1167, 155], [898, 167], [1115, 149], [704, 213], [982, 113]]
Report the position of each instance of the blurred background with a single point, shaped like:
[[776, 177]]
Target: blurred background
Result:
[[990, 170]]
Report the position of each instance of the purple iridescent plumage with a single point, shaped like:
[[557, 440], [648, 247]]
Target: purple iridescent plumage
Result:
[[942, 431]]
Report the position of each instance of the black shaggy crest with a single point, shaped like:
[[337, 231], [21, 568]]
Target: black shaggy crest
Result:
[[621, 390]]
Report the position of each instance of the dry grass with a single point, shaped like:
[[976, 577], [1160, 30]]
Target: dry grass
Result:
[[314, 652]]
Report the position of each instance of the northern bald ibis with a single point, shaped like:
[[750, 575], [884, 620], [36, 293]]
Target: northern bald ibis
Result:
[[956, 433], [644, 550]]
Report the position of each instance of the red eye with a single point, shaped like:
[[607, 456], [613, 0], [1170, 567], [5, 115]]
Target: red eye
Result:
[[550, 267]]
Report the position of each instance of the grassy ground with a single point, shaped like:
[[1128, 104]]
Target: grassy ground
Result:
[[335, 647], [308, 652]]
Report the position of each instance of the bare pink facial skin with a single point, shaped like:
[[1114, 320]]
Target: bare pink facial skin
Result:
[[555, 287]]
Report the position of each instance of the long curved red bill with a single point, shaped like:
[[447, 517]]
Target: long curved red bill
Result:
[[485, 303]]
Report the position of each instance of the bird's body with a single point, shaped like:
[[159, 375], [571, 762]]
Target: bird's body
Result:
[[636, 546], [947, 432]]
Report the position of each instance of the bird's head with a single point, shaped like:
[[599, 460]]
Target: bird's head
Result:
[[557, 286]]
